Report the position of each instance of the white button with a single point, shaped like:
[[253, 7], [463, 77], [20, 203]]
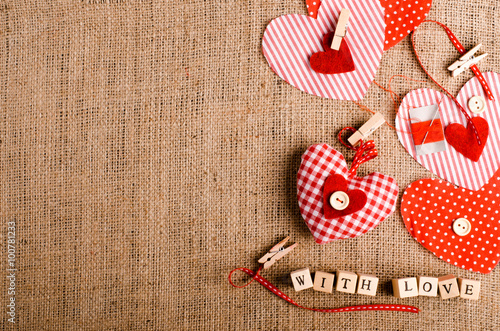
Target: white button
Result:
[[339, 200], [477, 104], [461, 227]]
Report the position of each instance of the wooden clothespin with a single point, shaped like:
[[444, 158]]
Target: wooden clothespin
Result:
[[466, 61], [366, 129], [276, 253], [341, 29]]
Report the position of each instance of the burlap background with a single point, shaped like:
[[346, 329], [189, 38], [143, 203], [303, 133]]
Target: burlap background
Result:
[[147, 149]]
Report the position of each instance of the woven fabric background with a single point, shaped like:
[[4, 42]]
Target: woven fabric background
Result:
[[147, 149]]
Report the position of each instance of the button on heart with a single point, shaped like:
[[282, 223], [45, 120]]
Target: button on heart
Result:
[[318, 163], [331, 61], [356, 198], [290, 40], [450, 164], [434, 211]]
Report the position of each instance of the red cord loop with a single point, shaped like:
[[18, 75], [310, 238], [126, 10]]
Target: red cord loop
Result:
[[474, 68], [243, 269], [364, 153], [348, 145]]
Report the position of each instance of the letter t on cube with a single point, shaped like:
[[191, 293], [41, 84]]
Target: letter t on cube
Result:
[[346, 281]]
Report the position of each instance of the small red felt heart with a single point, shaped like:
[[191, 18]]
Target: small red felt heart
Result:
[[429, 208], [464, 140], [331, 61], [334, 183]]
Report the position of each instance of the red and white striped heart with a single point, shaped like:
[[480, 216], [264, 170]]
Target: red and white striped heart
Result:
[[320, 162], [450, 164], [290, 40]]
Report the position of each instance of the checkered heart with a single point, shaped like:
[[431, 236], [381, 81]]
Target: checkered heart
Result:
[[318, 163]]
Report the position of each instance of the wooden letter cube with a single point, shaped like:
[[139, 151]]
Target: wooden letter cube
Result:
[[469, 289], [427, 286], [448, 287], [301, 279], [346, 281], [367, 284], [323, 281], [405, 287]]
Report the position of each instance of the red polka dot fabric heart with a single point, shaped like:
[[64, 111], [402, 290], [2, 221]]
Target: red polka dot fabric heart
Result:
[[318, 163], [401, 17], [290, 40], [431, 206], [450, 164]]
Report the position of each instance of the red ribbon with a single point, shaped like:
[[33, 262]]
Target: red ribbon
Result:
[[364, 152], [264, 282], [474, 68]]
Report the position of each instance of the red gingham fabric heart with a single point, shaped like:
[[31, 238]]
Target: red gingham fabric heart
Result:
[[318, 162]]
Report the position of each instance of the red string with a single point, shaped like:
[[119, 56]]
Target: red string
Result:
[[264, 282], [364, 153], [352, 130], [461, 50], [251, 280]]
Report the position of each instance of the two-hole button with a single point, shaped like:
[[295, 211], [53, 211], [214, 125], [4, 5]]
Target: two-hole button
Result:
[[461, 226], [339, 200], [477, 104]]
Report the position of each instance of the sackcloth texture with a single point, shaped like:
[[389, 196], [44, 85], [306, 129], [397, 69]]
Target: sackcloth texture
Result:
[[147, 149]]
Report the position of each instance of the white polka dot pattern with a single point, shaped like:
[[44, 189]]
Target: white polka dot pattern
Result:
[[402, 17], [430, 206]]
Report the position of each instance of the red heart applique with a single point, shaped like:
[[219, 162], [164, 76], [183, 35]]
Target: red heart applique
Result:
[[331, 61], [430, 206], [464, 140], [337, 183], [318, 162]]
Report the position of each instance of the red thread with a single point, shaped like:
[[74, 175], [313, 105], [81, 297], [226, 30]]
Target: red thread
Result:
[[264, 282], [425, 130], [251, 280], [352, 130], [461, 50]]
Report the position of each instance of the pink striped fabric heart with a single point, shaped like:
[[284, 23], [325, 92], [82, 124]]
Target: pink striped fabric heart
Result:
[[290, 40], [319, 162], [451, 165]]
